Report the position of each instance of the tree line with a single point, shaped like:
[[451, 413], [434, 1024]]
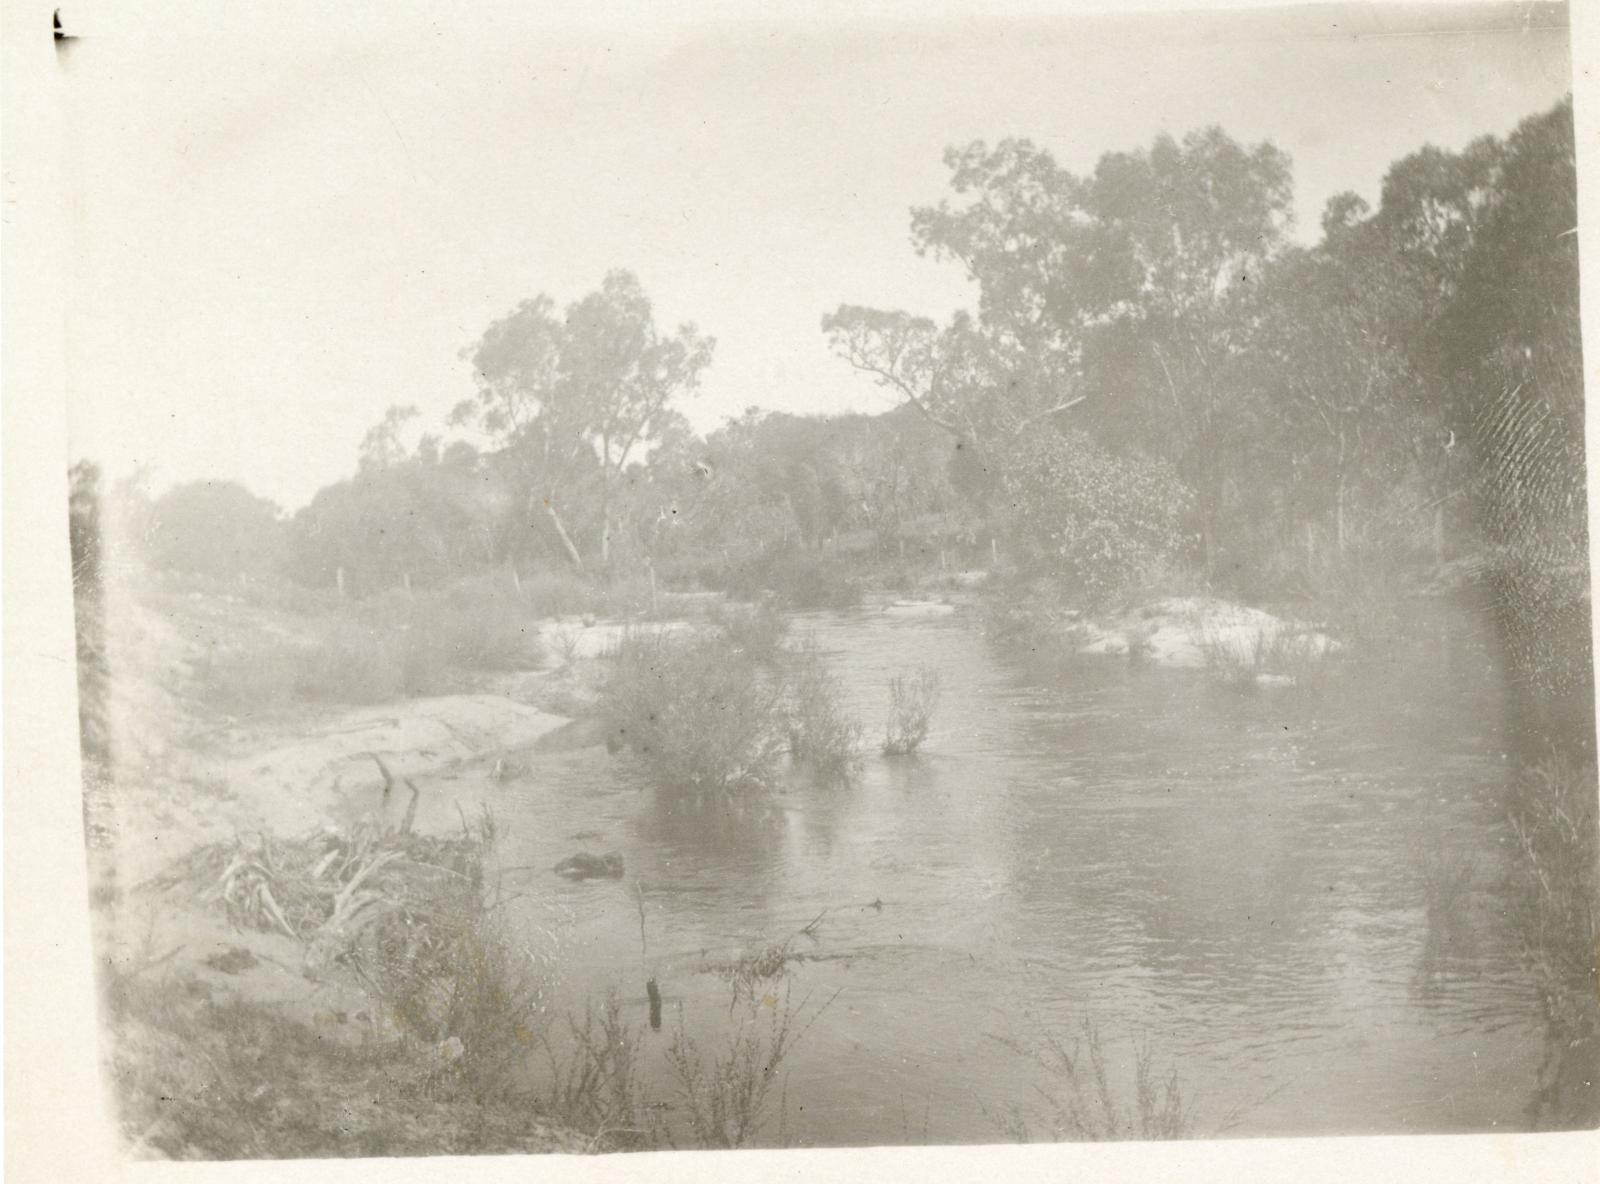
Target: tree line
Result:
[[1155, 374]]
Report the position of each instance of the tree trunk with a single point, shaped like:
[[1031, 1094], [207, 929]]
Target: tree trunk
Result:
[[605, 501], [561, 532], [1207, 481], [1339, 496]]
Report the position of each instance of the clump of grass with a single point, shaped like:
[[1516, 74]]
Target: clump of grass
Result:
[[409, 916], [1553, 886], [757, 630], [1082, 1102], [822, 737], [726, 1095], [911, 705], [699, 716], [594, 1082], [410, 920], [1294, 654]]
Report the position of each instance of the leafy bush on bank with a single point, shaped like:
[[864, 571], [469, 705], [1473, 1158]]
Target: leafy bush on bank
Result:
[[1093, 520]]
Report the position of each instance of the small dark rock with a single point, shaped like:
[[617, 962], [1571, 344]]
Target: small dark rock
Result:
[[584, 866]]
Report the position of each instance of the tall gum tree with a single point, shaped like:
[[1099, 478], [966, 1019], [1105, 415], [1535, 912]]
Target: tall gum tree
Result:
[[575, 397], [1116, 289]]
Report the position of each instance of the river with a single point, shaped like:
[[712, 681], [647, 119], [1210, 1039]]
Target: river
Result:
[[1233, 878]]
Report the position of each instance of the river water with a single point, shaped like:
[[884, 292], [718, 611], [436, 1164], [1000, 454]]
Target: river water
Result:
[[1234, 879]]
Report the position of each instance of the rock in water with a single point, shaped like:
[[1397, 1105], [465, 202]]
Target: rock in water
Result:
[[584, 866]]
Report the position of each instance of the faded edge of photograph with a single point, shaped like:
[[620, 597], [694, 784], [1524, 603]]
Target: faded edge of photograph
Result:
[[833, 583]]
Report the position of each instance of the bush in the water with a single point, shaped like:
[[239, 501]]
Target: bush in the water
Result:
[[911, 706], [822, 738], [699, 715]]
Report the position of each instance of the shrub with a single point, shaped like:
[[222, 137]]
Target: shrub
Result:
[[1083, 1103], [482, 624], [216, 528], [376, 650], [567, 640], [802, 579], [1091, 518], [911, 706], [594, 1080], [558, 592], [413, 917], [822, 738], [440, 958], [757, 630], [353, 665], [700, 717], [727, 1094], [1020, 622]]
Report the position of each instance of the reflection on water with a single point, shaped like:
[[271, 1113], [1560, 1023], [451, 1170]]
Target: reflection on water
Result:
[[1288, 893]]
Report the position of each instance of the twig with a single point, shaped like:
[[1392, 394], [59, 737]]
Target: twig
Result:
[[388, 777]]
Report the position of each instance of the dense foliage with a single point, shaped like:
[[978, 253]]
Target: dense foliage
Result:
[[1095, 520], [1155, 373]]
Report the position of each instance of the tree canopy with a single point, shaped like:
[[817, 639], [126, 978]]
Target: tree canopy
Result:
[[575, 398]]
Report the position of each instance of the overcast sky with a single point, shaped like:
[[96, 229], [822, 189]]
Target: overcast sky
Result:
[[289, 223]]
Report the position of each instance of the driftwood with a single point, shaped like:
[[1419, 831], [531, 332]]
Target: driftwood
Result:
[[388, 789]]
